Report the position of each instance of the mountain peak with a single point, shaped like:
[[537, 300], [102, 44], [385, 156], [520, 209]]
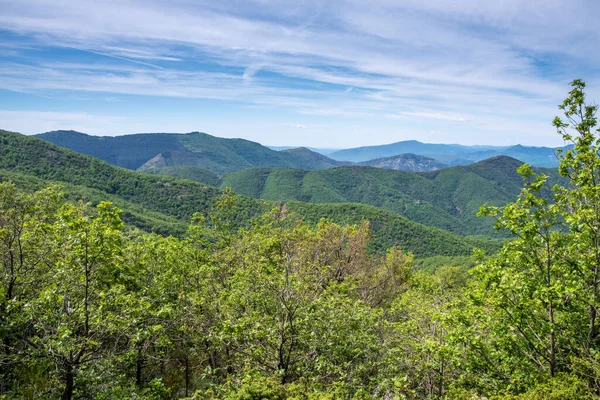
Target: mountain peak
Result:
[[63, 132], [407, 162], [498, 161]]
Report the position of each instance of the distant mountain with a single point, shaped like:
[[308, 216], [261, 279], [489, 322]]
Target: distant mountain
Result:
[[441, 152], [165, 205], [406, 162], [451, 154], [320, 150], [447, 198], [157, 150], [129, 151], [538, 156], [305, 156]]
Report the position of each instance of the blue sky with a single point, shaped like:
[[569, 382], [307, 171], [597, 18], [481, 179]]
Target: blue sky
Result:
[[336, 73]]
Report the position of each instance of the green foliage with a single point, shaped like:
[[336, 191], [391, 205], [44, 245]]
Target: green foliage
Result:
[[431, 264], [561, 387], [284, 308], [447, 199], [390, 230], [163, 317], [540, 293], [134, 214], [164, 205], [191, 173]]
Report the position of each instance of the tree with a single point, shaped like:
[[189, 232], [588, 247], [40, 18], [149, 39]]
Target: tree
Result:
[[76, 314], [542, 288], [26, 250], [422, 324]]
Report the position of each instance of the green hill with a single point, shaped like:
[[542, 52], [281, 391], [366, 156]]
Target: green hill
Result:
[[151, 201], [158, 150], [191, 173], [447, 199]]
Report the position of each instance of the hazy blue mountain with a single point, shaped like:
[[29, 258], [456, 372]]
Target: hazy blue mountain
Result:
[[320, 150], [451, 154], [441, 152]]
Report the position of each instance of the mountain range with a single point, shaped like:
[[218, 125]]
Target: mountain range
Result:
[[431, 211], [451, 154], [165, 204], [148, 151], [157, 150], [449, 198]]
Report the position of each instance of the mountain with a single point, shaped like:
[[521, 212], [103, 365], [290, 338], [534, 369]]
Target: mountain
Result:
[[163, 164], [406, 162], [448, 198], [538, 156], [320, 150], [441, 152], [165, 204], [127, 151], [451, 154], [157, 150], [305, 156]]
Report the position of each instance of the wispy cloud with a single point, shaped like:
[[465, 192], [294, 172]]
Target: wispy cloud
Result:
[[429, 115], [412, 63]]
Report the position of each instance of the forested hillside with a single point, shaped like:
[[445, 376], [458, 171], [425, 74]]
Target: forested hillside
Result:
[[292, 308], [447, 199], [179, 199], [157, 150]]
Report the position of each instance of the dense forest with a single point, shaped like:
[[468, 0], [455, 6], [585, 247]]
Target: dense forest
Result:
[[165, 205], [288, 307]]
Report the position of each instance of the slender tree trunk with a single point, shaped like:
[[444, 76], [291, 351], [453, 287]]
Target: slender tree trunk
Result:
[[69, 382], [187, 375], [591, 336], [552, 361], [139, 365], [441, 388]]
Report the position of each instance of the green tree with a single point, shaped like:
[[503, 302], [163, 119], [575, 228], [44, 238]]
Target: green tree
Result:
[[76, 315], [26, 249], [542, 288], [422, 350]]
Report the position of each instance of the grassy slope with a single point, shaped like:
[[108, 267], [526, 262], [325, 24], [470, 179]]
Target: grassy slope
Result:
[[32, 161]]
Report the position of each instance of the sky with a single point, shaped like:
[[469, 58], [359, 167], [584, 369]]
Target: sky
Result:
[[322, 73]]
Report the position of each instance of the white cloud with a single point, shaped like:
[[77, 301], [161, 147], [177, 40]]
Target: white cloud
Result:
[[430, 115], [459, 61]]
